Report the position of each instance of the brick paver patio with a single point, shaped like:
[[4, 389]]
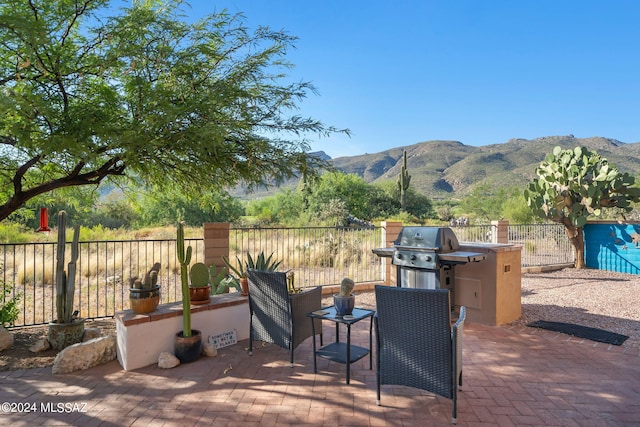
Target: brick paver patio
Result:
[[512, 377]]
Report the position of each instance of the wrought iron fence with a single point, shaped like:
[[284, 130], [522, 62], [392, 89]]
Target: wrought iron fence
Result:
[[318, 256], [542, 244], [102, 282]]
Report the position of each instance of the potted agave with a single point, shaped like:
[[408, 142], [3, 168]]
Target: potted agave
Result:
[[260, 262], [188, 342], [241, 273], [66, 329], [144, 294]]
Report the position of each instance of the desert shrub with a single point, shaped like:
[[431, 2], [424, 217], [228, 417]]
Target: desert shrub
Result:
[[8, 306]]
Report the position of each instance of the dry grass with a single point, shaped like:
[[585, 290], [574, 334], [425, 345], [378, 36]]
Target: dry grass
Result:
[[105, 267]]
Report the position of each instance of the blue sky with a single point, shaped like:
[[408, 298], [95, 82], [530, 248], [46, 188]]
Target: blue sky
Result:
[[477, 71]]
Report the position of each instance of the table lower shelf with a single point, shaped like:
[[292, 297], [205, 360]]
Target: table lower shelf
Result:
[[337, 352]]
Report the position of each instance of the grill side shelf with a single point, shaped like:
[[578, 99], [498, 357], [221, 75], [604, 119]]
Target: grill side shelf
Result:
[[462, 257]]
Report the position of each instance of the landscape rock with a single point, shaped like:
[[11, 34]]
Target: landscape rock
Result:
[[209, 350], [167, 360], [6, 339], [91, 333], [85, 355], [39, 346]]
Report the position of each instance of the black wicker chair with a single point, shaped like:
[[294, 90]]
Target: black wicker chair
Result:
[[416, 344], [278, 317]]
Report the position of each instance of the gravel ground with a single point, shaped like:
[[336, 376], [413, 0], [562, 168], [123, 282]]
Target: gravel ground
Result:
[[595, 298]]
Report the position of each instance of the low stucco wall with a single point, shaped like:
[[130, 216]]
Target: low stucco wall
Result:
[[142, 337]]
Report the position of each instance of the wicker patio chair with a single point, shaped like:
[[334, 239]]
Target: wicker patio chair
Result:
[[416, 344], [278, 317]]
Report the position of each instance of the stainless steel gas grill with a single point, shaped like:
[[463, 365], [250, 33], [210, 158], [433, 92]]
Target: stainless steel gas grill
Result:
[[425, 257]]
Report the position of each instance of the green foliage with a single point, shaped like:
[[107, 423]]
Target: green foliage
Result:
[[158, 207], [9, 310], [516, 211], [14, 233], [573, 185], [144, 93], [350, 188], [484, 203], [333, 213], [285, 207]]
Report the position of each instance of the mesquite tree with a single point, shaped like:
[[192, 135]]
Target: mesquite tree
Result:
[[573, 185], [89, 92]]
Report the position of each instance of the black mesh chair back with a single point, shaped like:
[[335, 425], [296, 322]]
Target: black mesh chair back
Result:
[[278, 317], [416, 344]]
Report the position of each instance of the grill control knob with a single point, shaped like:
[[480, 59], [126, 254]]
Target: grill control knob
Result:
[[399, 256], [413, 257], [428, 258]]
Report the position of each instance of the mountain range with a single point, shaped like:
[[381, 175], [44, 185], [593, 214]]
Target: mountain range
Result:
[[450, 169]]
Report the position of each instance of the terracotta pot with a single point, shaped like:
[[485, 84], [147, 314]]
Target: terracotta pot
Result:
[[144, 300], [200, 295], [188, 350], [244, 285], [62, 335]]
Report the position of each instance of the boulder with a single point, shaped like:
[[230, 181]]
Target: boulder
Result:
[[209, 350], [85, 355], [91, 333], [167, 360], [6, 338], [39, 346]]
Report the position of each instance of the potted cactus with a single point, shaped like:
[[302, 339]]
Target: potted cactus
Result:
[[345, 300], [188, 342], [200, 287], [144, 294], [67, 328]]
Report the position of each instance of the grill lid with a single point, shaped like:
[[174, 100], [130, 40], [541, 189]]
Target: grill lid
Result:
[[436, 239]]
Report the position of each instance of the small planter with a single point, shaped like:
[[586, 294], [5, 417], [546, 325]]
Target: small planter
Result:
[[244, 285], [200, 295], [62, 335], [188, 350], [144, 300], [344, 305]]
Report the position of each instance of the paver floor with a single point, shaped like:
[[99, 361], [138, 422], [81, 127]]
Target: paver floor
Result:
[[512, 377]]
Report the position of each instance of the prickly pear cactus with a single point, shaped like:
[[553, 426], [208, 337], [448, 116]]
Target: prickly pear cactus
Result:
[[199, 275]]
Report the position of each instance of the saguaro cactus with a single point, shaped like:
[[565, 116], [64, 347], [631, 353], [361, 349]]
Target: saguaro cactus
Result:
[[403, 182], [184, 258], [65, 280]]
